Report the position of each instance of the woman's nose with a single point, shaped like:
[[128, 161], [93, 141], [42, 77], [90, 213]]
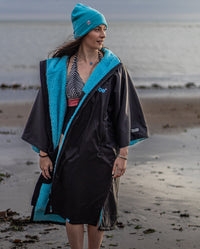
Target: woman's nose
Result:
[[103, 34]]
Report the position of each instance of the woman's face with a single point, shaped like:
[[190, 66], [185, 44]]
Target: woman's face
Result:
[[95, 38]]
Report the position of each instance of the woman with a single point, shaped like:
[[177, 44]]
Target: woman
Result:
[[85, 116]]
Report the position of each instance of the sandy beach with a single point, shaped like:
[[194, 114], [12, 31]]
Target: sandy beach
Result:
[[159, 204], [163, 114]]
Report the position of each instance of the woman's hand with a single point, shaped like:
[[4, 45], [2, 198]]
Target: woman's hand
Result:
[[46, 166], [119, 167], [46, 163]]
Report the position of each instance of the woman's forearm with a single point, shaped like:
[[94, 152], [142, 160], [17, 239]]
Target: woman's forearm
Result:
[[123, 151], [42, 153]]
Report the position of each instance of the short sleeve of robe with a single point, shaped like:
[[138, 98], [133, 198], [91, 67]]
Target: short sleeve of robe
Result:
[[38, 131], [128, 116]]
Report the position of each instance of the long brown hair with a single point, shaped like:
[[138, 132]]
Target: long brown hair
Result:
[[68, 48]]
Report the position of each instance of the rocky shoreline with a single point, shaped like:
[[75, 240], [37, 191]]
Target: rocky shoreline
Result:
[[188, 85]]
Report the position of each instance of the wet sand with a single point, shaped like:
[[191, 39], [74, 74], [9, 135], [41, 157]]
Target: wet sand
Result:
[[159, 194], [163, 115], [169, 115]]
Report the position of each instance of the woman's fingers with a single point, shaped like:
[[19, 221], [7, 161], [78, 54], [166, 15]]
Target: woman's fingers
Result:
[[43, 173], [46, 167], [46, 171], [46, 174], [114, 168], [118, 174], [51, 167]]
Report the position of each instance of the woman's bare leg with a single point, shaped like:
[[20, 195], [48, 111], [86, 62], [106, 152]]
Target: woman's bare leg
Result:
[[61, 138], [75, 234], [95, 237]]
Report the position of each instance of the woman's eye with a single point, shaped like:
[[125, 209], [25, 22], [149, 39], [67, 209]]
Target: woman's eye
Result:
[[99, 29]]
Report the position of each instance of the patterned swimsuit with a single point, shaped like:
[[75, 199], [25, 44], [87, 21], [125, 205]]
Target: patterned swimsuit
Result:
[[73, 92], [74, 82]]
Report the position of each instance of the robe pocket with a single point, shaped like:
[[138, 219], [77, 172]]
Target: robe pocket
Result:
[[107, 153]]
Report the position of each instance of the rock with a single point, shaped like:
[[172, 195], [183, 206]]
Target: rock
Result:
[[115, 245], [190, 85], [184, 215], [29, 163], [166, 126], [148, 231], [3, 176], [138, 227], [120, 225], [157, 86], [17, 241]]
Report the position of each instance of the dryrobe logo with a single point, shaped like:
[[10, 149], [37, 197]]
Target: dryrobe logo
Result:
[[88, 22], [101, 90], [135, 130]]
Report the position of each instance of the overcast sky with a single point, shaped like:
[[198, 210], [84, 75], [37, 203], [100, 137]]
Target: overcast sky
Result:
[[188, 10]]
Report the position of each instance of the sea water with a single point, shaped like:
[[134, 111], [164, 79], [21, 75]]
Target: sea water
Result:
[[164, 53]]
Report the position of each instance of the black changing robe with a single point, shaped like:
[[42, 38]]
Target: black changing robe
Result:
[[108, 117]]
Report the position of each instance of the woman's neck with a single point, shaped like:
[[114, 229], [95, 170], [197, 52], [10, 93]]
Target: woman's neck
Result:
[[88, 56]]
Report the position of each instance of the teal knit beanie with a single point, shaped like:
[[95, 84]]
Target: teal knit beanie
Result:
[[85, 18]]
